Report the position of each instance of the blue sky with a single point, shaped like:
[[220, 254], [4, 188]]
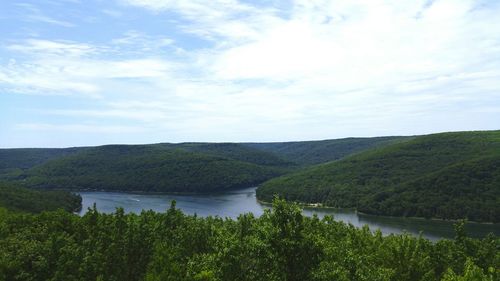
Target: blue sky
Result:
[[93, 72]]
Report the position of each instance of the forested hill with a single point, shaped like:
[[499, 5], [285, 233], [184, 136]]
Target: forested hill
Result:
[[235, 151], [447, 175], [315, 152], [157, 168], [182, 167], [20, 199], [24, 158]]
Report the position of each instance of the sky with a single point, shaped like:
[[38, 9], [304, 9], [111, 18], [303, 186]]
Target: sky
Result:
[[92, 72]]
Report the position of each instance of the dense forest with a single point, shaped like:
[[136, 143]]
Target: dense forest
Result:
[[167, 167], [304, 153], [235, 151], [161, 167], [18, 198], [452, 175], [282, 244], [448, 175], [24, 158], [150, 168], [13, 162]]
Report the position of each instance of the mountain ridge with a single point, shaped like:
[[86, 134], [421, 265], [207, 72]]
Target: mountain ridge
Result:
[[417, 177]]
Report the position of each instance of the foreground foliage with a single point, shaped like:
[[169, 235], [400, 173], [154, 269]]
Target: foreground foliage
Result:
[[448, 176], [280, 245]]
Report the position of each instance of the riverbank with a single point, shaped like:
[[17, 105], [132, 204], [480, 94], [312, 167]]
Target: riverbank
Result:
[[322, 206], [237, 202]]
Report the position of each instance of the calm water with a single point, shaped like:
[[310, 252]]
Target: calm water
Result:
[[234, 203]]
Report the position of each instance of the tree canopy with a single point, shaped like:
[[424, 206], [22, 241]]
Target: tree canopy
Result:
[[18, 198], [282, 244], [448, 176]]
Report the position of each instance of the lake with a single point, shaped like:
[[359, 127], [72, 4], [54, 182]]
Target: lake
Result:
[[233, 203]]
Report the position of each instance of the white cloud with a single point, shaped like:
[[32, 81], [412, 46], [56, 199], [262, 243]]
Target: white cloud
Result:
[[35, 15], [217, 19], [49, 47], [368, 62], [70, 68], [46, 19], [317, 69], [112, 13], [134, 114], [141, 43], [79, 128], [378, 44], [194, 9]]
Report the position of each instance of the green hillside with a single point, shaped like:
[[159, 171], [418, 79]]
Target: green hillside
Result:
[[14, 161], [157, 168], [183, 167], [315, 152], [17, 198], [236, 151], [448, 175]]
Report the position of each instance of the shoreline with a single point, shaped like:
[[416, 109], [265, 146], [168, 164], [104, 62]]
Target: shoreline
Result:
[[310, 205], [321, 206], [429, 219], [150, 192], [317, 206]]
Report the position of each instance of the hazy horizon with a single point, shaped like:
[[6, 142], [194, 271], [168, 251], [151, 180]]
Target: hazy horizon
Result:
[[86, 73], [283, 141]]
